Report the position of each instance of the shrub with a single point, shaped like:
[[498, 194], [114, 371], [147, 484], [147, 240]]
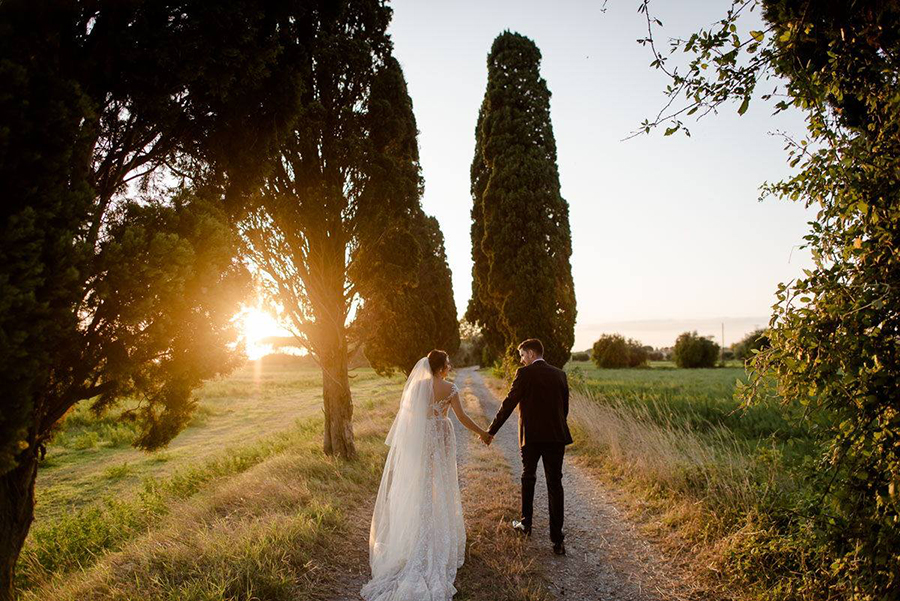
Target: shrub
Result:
[[582, 356], [755, 340], [614, 351], [471, 346], [692, 350]]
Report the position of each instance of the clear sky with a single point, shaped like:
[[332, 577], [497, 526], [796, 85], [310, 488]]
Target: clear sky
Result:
[[667, 232]]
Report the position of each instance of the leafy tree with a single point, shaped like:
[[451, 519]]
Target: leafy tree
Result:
[[522, 279], [401, 325], [581, 356], [480, 313], [471, 345], [692, 350], [109, 289], [754, 341], [834, 331], [334, 222], [614, 351]]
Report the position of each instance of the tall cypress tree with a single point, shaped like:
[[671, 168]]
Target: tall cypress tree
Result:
[[522, 279], [399, 324], [480, 311], [398, 264]]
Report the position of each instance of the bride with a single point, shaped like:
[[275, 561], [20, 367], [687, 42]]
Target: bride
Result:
[[417, 540]]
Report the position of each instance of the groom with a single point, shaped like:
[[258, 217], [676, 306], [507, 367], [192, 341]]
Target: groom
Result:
[[542, 393]]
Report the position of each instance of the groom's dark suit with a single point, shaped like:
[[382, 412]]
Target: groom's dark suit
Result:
[[541, 392]]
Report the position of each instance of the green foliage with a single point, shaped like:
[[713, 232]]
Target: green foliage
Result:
[[401, 325], [833, 331], [471, 345], [129, 134], [614, 351], [71, 134], [581, 356], [692, 350], [751, 344], [521, 243], [399, 264], [172, 267]]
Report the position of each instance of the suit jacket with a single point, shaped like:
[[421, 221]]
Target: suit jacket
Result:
[[541, 393]]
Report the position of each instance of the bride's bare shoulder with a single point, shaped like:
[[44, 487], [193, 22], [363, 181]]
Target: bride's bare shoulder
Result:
[[442, 389]]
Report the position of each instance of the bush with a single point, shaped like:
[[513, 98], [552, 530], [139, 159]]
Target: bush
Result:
[[582, 356], [755, 340], [613, 351], [471, 346], [692, 350]]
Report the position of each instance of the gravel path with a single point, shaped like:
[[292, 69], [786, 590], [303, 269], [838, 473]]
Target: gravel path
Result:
[[607, 559]]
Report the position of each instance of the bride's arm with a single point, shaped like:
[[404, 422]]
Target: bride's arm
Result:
[[463, 417]]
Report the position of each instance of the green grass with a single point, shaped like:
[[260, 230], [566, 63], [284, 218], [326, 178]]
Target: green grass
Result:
[[723, 481], [83, 462], [700, 399], [98, 501]]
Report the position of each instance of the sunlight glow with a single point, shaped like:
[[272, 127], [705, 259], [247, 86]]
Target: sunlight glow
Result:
[[258, 324]]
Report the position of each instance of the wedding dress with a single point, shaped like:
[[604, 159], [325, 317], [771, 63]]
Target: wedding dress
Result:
[[417, 539]]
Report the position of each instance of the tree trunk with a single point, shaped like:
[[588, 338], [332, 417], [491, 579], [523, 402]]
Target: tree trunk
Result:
[[337, 399], [16, 515]]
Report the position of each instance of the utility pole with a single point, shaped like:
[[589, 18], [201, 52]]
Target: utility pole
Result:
[[723, 344]]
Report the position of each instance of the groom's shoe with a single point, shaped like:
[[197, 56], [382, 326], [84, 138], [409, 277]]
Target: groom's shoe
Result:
[[559, 548], [521, 528]]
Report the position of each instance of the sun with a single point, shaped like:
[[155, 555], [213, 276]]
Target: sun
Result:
[[257, 325]]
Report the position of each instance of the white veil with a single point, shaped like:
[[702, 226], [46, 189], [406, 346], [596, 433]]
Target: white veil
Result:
[[401, 495]]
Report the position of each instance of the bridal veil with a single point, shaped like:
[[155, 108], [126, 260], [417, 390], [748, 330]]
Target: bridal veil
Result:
[[417, 536]]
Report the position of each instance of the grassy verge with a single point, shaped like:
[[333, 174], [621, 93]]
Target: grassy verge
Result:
[[498, 566], [701, 399], [723, 490], [728, 512], [91, 458], [254, 522]]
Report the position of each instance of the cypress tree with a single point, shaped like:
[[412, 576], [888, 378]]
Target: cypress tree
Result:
[[399, 264], [479, 311], [522, 279], [401, 324]]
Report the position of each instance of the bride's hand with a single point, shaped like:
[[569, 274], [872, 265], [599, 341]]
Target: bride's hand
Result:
[[485, 437]]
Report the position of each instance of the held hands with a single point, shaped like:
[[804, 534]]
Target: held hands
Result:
[[485, 438]]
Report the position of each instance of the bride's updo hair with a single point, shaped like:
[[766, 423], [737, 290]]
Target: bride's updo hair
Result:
[[437, 359]]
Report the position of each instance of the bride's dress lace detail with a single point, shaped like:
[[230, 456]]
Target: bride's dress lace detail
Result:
[[426, 570]]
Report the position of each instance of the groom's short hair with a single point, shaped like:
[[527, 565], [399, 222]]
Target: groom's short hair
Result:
[[532, 344]]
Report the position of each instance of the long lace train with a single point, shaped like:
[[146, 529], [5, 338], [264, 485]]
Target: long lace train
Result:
[[433, 548]]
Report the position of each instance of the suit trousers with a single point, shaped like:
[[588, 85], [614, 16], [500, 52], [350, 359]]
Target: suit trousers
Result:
[[551, 454]]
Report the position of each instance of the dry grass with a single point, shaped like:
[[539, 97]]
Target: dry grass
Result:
[[498, 566], [278, 528], [264, 533], [713, 467], [696, 494]]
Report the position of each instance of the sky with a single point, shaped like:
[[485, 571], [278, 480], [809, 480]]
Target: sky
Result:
[[668, 233]]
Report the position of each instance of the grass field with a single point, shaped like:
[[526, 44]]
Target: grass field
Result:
[[714, 481], [255, 441], [243, 505], [699, 399], [91, 457]]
